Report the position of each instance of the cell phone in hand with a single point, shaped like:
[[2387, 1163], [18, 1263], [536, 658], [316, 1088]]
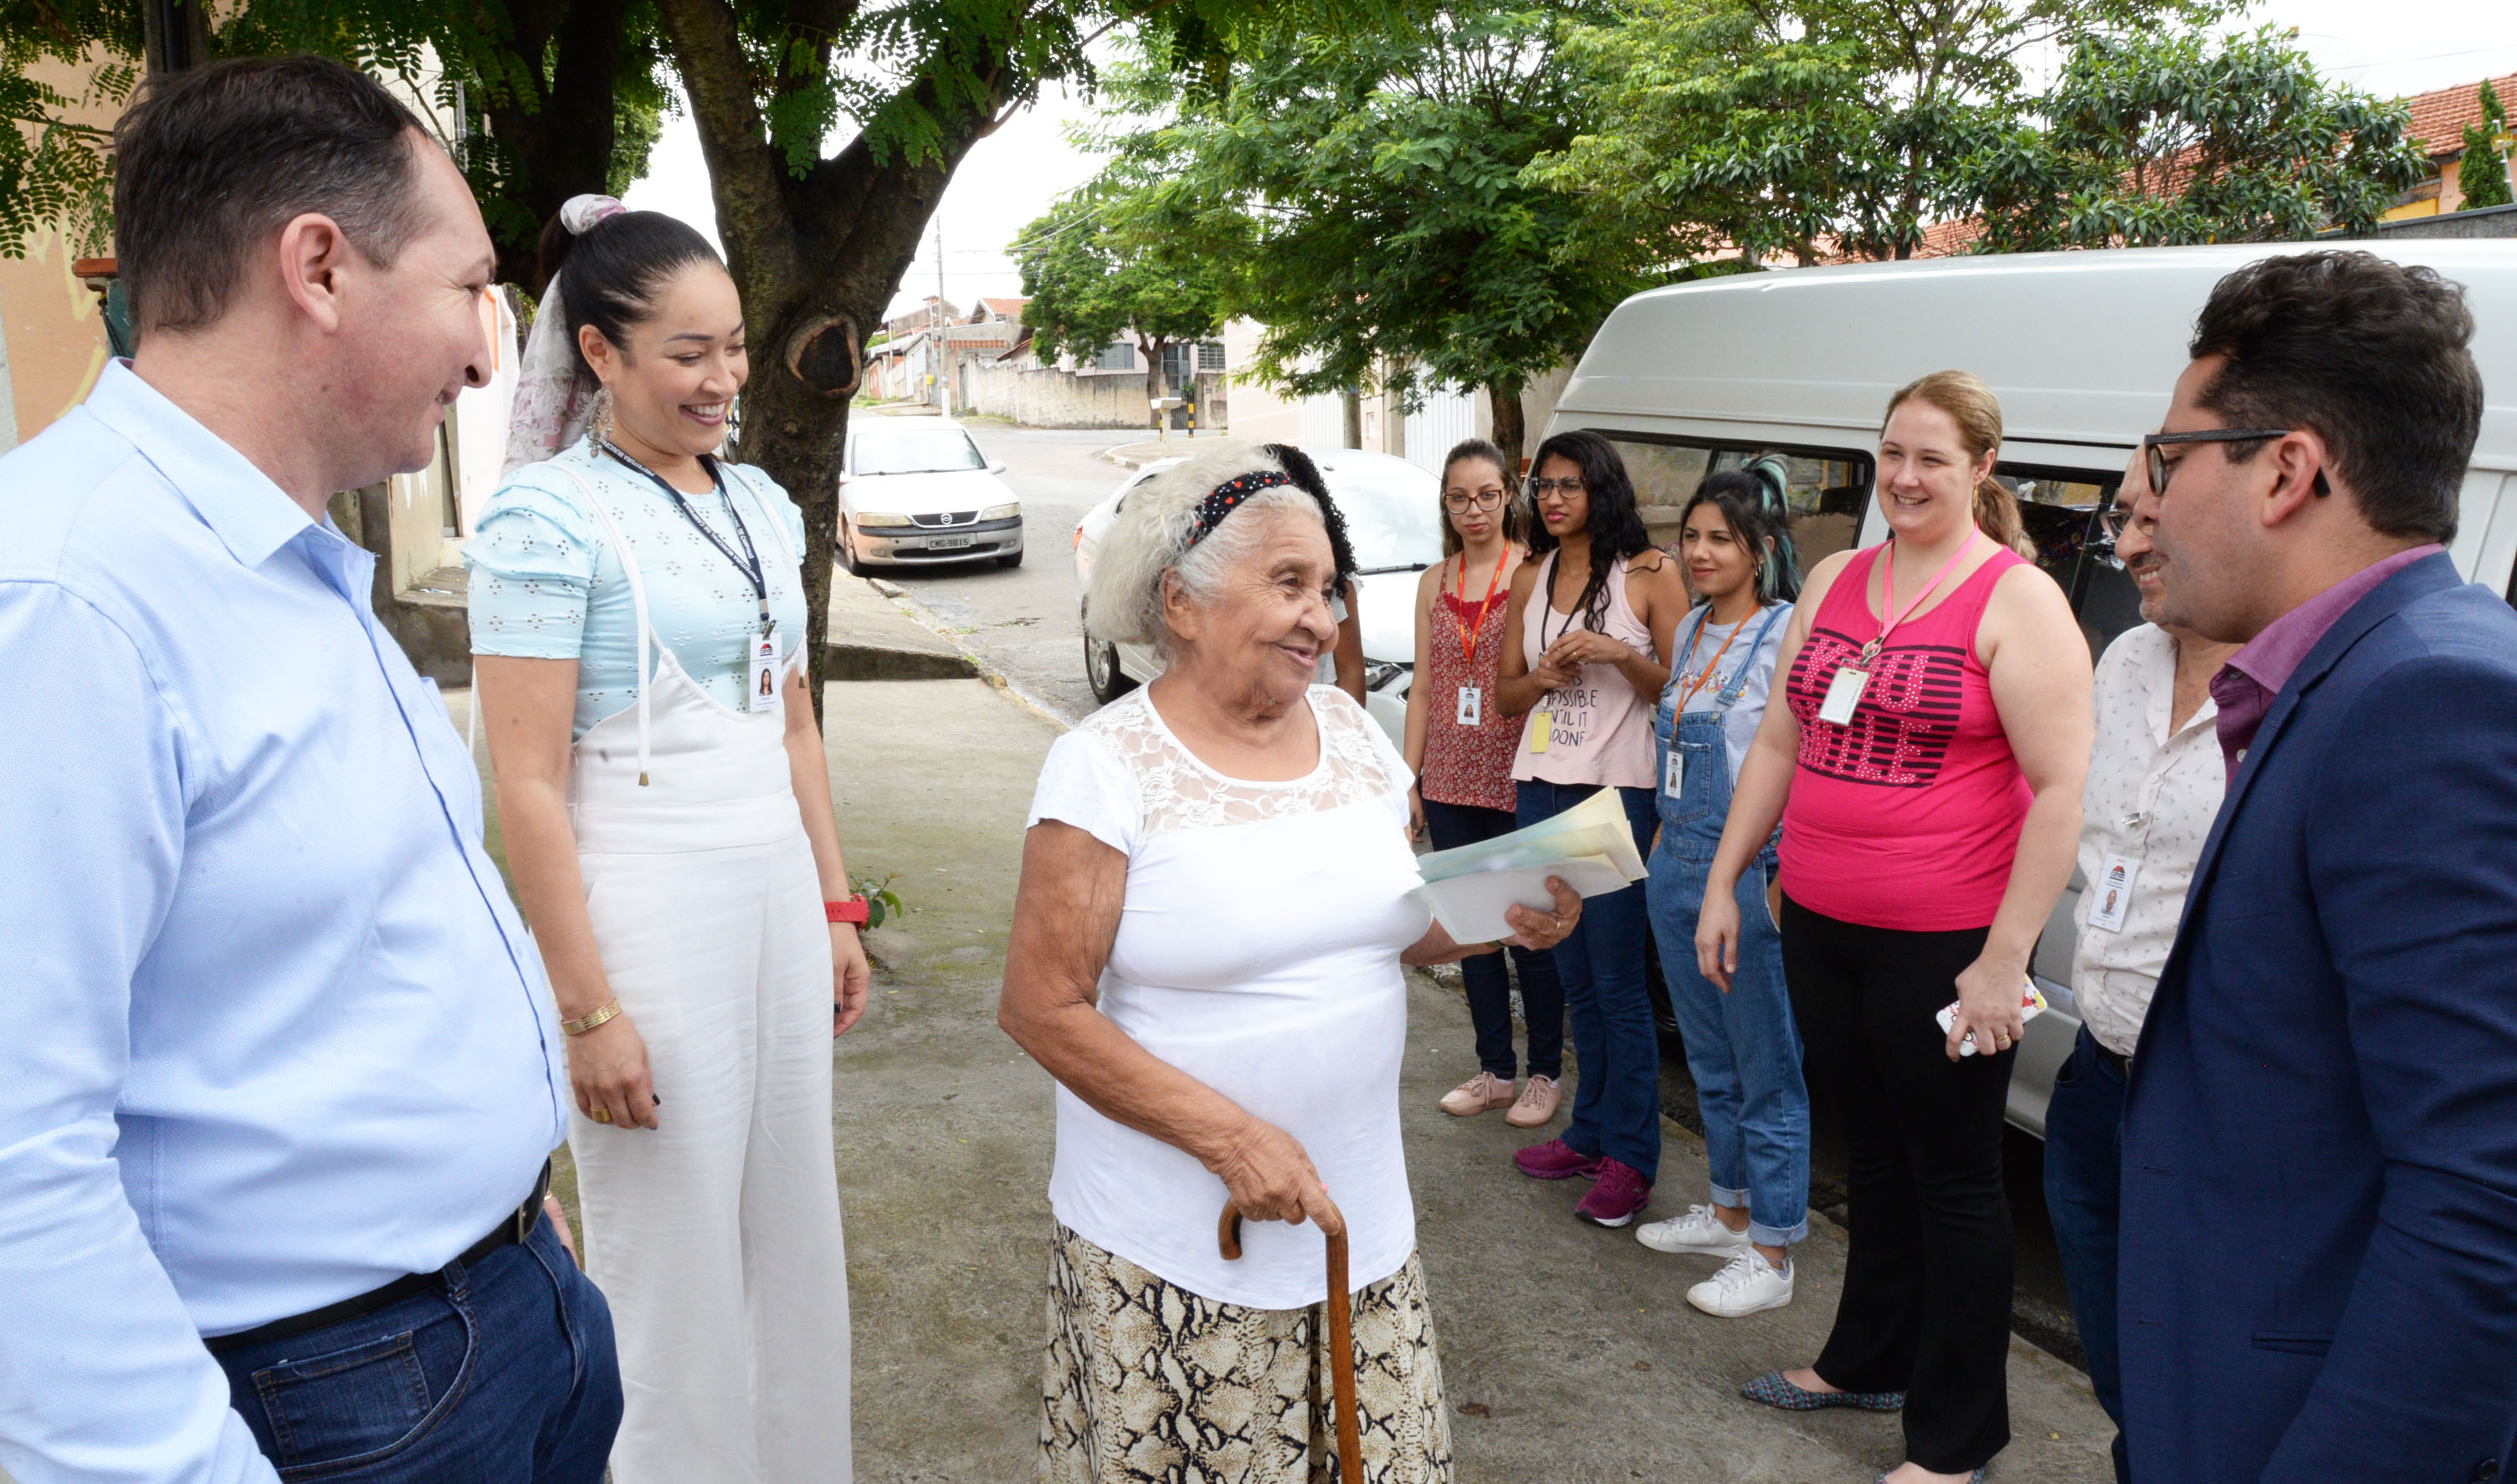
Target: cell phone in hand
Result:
[[2031, 1003]]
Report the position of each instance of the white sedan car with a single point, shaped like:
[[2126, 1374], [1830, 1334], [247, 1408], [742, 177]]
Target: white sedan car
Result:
[[1393, 517], [917, 490]]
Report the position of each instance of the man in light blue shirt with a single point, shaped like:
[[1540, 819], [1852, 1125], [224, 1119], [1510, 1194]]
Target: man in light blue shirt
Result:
[[279, 1076]]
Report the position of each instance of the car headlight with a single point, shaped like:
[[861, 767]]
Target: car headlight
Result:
[[1013, 512], [872, 519], [1380, 672]]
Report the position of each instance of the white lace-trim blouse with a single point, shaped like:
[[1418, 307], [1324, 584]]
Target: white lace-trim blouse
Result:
[[1258, 951]]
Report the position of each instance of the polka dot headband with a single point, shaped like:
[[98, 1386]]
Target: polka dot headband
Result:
[[1226, 497]]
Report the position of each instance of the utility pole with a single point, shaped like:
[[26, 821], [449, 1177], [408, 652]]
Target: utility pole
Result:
[[943, 363]]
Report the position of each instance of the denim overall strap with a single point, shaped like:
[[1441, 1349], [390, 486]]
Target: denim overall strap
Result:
[[1738, 682]]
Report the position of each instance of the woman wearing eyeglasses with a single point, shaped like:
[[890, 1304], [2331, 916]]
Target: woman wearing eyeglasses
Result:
[[1585, 655], [1460, 745], [1926, 767]]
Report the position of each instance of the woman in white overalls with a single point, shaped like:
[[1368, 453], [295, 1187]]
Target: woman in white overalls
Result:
[[638, 616]]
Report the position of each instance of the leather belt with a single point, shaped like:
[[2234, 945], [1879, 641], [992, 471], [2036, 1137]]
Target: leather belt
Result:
[[514, 1227]]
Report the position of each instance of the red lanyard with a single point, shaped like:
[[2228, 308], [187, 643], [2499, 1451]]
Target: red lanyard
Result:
[[1460, 594], [1888, 595], [1698, 643]]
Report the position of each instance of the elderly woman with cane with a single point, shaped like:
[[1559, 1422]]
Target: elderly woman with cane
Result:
[[1206, 954]]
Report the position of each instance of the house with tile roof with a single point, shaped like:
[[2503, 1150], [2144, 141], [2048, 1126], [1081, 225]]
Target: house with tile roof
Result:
[[2439, 122]]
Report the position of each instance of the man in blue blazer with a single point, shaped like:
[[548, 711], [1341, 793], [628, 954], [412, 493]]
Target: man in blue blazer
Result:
[[2319, 1141]]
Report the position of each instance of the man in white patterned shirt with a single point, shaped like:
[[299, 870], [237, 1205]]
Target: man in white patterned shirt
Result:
[[2155, 781]]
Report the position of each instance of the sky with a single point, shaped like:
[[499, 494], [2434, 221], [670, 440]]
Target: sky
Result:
[[2390, 48]]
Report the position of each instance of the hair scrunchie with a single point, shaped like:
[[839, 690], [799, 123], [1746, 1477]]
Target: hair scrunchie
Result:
[[554, 395]]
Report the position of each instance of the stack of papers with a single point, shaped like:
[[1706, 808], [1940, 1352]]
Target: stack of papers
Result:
[[1589, 845]]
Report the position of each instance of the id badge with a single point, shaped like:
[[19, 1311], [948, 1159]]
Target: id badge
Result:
[[1673, 777], [1542, 726], [1843, 694], [2110, 894], [760, 683], [1473, 704]]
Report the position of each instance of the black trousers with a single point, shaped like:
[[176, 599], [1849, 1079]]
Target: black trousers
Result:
[[1926, 1304]]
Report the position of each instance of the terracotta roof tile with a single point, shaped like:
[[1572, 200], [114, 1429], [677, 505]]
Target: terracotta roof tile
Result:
[[2440, 119]]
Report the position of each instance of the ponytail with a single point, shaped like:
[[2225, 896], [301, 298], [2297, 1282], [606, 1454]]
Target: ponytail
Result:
[[1996, 515]]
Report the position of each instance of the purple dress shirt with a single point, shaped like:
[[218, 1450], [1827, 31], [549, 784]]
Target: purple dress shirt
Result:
[[2246, 686]]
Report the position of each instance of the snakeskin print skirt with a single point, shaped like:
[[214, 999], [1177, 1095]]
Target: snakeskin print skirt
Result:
[[1149, 1383]]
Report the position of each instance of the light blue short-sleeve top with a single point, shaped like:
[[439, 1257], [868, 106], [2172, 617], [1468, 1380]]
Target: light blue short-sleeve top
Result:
[[546, 584]]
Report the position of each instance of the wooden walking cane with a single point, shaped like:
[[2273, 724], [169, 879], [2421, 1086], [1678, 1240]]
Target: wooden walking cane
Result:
[[1349, 1434]]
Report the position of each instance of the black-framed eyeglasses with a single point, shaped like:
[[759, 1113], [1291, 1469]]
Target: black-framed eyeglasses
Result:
[[1480, 499], [1540, 489], [2153, 446]]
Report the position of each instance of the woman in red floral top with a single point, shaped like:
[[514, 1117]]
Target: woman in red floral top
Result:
[[1461, 745]]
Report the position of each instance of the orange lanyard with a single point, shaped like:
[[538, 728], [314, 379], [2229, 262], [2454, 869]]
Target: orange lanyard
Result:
[[1698, 643], [1460, 593]]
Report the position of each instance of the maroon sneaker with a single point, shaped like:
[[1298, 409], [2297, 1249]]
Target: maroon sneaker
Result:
[[1555, 1160], [1619, 1196]]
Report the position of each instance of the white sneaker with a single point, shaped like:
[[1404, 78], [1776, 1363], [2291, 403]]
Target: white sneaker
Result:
[[1746, 1284], [1698, 1230]]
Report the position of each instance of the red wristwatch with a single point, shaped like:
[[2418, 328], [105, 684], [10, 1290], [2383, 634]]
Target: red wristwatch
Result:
[[853, 909]]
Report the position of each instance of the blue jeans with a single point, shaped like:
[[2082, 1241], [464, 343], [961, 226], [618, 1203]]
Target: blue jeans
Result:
[[2083, 1190], [1616, 1104], [502, 1375], [1742, 1048], [1489, 983]]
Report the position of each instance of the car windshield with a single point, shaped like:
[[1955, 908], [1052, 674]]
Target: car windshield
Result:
[[916, 450], [1393, 515]]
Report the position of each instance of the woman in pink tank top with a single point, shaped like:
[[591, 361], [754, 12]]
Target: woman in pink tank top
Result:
[[1926, 770]]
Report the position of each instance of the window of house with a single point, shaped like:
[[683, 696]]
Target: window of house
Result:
[[1209, 356], [1117, 356]]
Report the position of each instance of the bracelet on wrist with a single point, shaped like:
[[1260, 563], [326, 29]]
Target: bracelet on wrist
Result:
[[606, 1011], [853, 909]]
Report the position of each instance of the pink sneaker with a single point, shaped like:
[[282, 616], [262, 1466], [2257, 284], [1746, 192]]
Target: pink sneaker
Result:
[[1555, 1160], [1618, 1198]]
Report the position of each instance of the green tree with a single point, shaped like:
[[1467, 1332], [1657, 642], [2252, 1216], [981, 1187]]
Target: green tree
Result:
[[2481, 174], [829, 127], [2151, 139], [1813, 125], [1090, 289], [1363, 200]]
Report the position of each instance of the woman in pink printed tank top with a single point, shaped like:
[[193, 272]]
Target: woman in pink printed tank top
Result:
[[1926, 770], [1459, 745]]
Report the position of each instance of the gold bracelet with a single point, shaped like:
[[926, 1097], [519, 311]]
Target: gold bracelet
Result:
[[592, 1018]]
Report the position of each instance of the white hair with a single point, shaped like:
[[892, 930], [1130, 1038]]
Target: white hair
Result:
[[1150, 541]]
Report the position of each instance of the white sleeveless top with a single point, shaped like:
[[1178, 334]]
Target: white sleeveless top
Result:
[[1258, 952], [1600, 731]]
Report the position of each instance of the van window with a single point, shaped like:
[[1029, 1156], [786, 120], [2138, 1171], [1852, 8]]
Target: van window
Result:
[[1826, 488], [2059, 509]]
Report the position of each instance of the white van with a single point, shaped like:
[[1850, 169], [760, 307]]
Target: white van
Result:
[[2083, 348]]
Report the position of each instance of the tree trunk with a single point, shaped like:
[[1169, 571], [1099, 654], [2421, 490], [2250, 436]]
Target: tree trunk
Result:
[[1352, 432], [174, 34], [817, 259], [1510, 428], [562, 134]]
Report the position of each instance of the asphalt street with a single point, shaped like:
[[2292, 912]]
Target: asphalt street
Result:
[[1022, 621]]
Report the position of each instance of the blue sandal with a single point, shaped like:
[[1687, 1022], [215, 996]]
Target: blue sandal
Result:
[[1773, 1389]]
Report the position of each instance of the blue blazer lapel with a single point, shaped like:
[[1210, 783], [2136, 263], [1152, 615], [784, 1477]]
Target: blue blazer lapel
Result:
[[2435, 573]]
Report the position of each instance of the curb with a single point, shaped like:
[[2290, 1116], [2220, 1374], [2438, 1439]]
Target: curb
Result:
[[962, 663]]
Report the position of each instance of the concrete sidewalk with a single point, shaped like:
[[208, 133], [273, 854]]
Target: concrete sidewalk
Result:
[[1137, 455], [1570, 1352]]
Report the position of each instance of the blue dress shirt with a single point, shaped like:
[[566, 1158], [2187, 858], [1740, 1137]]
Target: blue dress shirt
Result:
[[275, 1035]]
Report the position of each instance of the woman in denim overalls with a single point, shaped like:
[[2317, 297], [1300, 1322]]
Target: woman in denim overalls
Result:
[[1742, 1047]]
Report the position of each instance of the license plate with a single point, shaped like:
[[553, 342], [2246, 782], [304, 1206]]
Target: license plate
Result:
[[947, 543]]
